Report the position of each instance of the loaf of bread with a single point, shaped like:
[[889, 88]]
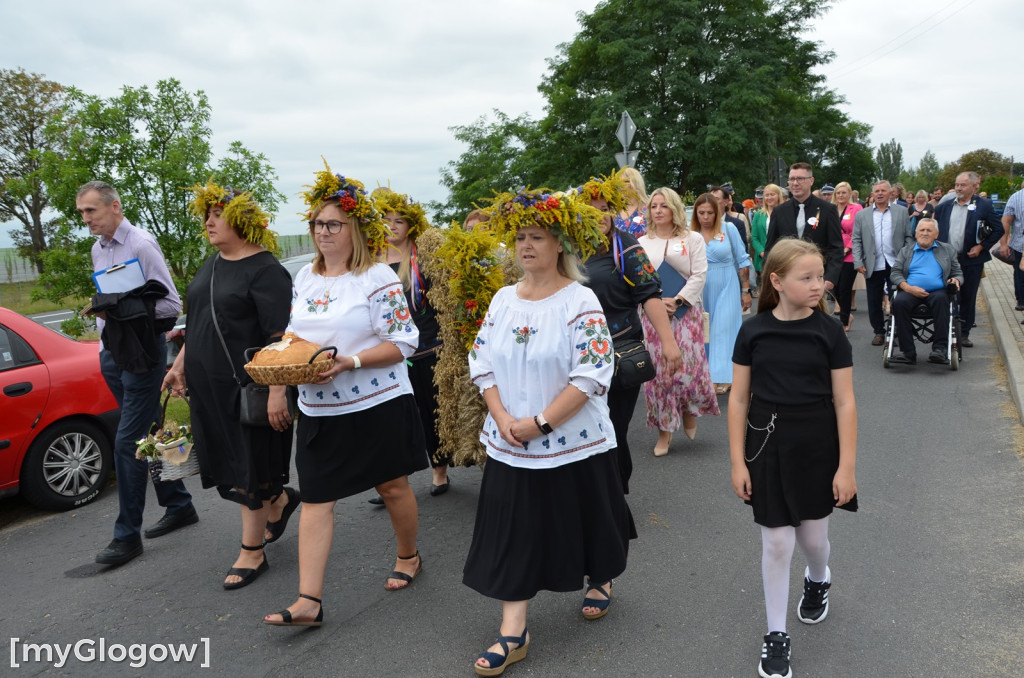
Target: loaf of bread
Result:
[[290, 350]]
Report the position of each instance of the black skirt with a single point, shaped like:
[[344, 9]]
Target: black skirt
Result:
[[793, 466], [421, 376], [345, 454], [545, 529]]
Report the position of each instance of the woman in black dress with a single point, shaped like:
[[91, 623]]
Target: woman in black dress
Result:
[[251, 295], [407, 221], [623, 278]]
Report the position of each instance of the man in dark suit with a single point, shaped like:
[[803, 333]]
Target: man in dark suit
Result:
[[959, 221], [808, 217], [880, 231]]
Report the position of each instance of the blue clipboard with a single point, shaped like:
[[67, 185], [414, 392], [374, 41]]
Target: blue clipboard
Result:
[[671, 284], [122, 277]]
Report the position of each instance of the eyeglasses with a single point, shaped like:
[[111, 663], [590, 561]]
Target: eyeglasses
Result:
[[332, 226], [793, 180]]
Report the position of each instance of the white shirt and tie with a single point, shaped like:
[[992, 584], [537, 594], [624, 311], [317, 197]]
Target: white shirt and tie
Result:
[[884, 254]]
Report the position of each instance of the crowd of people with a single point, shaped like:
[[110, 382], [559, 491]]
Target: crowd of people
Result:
[[589, 270]]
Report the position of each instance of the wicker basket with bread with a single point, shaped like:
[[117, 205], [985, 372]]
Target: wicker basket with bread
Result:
[[288, 362]]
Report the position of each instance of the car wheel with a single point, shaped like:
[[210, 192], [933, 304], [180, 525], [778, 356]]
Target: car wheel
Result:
[[68, 465]]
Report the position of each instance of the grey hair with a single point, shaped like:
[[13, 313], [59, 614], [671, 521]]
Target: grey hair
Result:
[[974, 177], [108, 193], [933, 222], [883, 181]]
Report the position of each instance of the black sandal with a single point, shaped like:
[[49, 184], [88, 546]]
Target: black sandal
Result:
[[276, 529], [247, 574], [395, 574], [286, 616]]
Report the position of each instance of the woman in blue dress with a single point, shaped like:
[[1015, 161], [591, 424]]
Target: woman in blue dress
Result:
[[727, 289]]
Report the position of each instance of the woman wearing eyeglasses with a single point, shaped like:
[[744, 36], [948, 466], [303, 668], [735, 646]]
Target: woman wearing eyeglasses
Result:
[[360, 428]]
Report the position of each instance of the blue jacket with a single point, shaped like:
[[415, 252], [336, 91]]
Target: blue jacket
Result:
[[982, 212]]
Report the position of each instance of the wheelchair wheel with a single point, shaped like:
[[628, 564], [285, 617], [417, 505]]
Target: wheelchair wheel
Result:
[[954, 355]]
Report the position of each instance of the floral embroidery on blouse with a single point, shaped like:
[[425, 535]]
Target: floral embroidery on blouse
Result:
[[644, 271], [597, 348], [523, 334], [477, 343], [315, 306], [398, 318]]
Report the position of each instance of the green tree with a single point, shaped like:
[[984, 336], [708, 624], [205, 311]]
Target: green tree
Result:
[[889, 160], [152, 145], [717, 92], [27, 101], [928, 171], [985, 162], [495, 159]]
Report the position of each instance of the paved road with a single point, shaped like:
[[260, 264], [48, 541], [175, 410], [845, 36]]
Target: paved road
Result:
[[53, 319], [927, 575]]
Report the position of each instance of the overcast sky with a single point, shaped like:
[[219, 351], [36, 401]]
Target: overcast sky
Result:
[[374, 86]]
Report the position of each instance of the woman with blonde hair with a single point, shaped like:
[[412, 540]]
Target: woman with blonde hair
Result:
[[679, 397], [360, 427], [633, 218], [847, 211], [551, 508], [772, 198]]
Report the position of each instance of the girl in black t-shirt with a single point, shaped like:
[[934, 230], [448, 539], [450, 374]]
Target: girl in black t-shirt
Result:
[[793, 434]]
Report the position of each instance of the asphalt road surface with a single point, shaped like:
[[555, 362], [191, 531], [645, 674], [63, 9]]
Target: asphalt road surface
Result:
[[927, 575]]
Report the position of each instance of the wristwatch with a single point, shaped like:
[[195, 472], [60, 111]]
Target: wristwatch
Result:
[[679, 302], [746, 291]]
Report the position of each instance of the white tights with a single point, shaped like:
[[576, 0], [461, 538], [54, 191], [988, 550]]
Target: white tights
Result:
[[777, 545]]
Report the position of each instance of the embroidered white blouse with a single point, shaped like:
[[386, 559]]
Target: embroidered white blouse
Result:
[[354, 313], [531, 350]]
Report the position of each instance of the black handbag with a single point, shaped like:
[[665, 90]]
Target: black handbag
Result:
[[252, 410], [633, 363]]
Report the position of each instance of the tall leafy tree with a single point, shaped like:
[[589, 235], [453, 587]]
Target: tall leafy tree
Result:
[[717, 90], [889, 160], [984, 161], [152, 145], [928, 171], [27, 102], [496, 159]]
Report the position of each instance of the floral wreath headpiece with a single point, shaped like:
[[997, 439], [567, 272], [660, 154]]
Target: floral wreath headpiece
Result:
[[241, 211], [612, 189], [572, 220], [350, 195], [387, 200]]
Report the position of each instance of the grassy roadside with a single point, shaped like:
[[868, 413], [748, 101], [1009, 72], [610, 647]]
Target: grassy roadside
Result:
[[17, 296]]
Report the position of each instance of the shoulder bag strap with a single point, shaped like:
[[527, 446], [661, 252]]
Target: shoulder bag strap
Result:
[[216, 325]]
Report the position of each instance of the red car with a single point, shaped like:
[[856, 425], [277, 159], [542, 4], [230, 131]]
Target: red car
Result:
[[57, 416]]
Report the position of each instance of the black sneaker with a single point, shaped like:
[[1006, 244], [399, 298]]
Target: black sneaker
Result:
[[813, 606], [775, 656]]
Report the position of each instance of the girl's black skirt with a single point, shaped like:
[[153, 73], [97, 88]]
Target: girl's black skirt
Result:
[[345, 454], [545, 529], [791, 475]]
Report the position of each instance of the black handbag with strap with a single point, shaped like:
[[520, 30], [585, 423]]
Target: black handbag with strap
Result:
[[633, 363], [252, 409]]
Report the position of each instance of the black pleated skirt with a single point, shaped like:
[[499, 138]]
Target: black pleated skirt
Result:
[[793, 466], [345, 454], [546, 529]]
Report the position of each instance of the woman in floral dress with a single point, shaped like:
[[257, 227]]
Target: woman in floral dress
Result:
[[677, 397]]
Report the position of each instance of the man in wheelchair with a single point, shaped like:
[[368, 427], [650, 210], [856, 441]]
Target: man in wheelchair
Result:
[[921, 273]]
